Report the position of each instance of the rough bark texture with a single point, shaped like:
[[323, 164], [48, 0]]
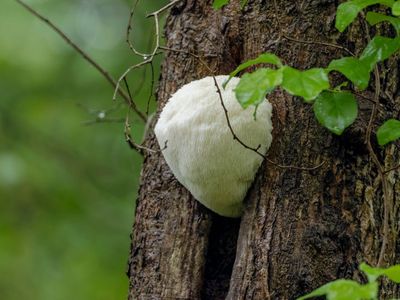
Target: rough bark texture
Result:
[[300, 229]]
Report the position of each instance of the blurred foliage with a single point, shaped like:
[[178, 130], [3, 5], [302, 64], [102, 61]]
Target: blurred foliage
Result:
[[67, 190]]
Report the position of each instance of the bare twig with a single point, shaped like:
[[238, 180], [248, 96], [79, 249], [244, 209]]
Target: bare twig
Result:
[[235, 137], [129, 30], [127, 131], [392, 169], [151, 88], [364, 97], [148, 58], [162, 9], [123, 76], [139, 148], [319, 43], [102, 71], [191, 54], [255, 150]]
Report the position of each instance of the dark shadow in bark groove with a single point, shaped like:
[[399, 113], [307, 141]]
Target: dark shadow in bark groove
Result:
[[220, 257]]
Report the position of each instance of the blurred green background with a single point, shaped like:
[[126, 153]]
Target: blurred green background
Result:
[[67, 190]]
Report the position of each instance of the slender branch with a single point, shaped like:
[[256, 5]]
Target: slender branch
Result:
[[191, 54], [129, 30], [392, 169], [255, 150], [235, 137], [137, 147], [319, 43], [127, 131], [364, 97], [86, 56], [162, 9], [123, 76], [148, 58], [151, 88]]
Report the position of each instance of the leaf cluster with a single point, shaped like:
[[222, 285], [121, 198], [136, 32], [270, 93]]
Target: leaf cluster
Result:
[[334, 108]]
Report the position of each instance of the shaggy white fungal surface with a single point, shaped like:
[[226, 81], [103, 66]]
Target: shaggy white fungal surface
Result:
[[201, 151]]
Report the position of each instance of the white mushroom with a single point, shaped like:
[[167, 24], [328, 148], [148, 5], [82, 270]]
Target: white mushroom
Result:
[[201, 151]]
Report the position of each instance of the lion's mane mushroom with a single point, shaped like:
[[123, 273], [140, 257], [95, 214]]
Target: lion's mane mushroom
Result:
[[201, 151]]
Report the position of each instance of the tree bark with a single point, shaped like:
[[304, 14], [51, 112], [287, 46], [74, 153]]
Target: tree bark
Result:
[[300, 229]]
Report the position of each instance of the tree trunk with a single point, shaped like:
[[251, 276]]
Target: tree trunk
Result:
[[300, 229]]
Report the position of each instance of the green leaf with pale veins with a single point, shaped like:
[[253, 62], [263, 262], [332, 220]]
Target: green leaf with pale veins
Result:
[[348, 11], [217, 4], [396, 8], [266, 58], [253, 87], [388, 132], [374, 18], [379, 49], [336, 110], [354, 70], [344, 289], [307, 84]]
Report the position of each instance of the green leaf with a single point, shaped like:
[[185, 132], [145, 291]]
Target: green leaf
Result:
[[372, 273], [217, 4], [336, 111], [307, 84], [343, 289], [266, 58], [348, 11], [374, 18], [356, 71], [379, 49], [388, 132], [396, 8], [253, 87], [393, 273]]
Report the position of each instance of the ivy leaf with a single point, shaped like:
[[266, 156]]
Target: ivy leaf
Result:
[[393, 273], [336, 111], [388, 132], [396, 8], [348, 11], [217, 4], [379, 49], [374, 18], [266, 58], [253, 87], [307, 84], [372, 273], [343, 289], [354, 70]]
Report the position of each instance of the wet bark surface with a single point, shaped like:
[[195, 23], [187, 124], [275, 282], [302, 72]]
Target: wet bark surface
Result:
[[300, 229]]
